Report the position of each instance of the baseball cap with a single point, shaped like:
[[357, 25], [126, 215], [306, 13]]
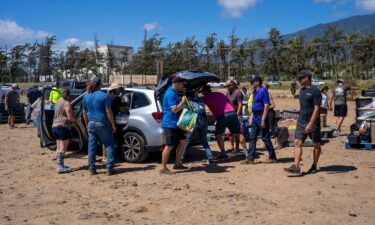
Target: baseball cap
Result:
[[254, 78], [303, 74], [95, 81]]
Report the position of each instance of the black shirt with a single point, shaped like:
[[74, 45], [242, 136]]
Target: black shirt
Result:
[[115, 103], [33, 94], [308, 98]]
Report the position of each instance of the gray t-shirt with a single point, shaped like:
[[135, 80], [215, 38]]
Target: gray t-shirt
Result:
[[339, 94], [13, 98]]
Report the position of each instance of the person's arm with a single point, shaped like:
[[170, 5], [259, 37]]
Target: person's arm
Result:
[[266, 102], [110, 117], [69, 112], [330, 101], [272, 102], [179, 106], [6, 102], [240, 103], [84, 112]]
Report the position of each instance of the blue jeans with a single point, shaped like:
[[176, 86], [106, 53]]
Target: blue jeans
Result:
[[101, 131], [202, 132], [265, 133]]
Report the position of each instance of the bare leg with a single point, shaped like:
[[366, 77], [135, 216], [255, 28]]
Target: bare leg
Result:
[[10, 120], [297, 152], [220, 142], [317, 151], [165, 156], [13, 118], [340, 120], [237, 139], [104, 156], [231, 140], [64, 145], [179, 151], [242, 141], [58, 148]]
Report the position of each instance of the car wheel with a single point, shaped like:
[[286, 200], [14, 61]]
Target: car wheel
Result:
[[134, 147]]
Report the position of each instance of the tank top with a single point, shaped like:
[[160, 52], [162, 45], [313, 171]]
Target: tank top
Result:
[[60, 118]]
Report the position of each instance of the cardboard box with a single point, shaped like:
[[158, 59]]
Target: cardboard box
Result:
[[291, 124]]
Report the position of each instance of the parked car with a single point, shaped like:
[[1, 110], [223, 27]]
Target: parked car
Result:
[[369, 92], [217, 84], [316, 82], [76, 87], [140, 129], [274, 83], [4, 88]]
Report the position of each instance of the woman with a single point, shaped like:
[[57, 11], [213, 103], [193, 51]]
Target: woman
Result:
[[99, 121], [62, 121], [324, 108], [198, 106], [271, 111]]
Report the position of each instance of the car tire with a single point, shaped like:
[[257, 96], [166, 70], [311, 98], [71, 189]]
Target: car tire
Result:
[[133, 146]]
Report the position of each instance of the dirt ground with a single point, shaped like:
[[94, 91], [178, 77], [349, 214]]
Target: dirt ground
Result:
[[342, 192]]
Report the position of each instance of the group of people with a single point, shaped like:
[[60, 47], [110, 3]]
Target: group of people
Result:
[[100, 108]]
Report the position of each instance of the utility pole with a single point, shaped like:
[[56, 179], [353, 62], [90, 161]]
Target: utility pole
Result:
[[229, 64]]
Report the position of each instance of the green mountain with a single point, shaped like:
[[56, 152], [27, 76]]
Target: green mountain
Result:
[[357, 24]]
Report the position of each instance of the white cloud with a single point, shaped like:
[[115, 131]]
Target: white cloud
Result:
[[75, 41], [150, 26], [12, 34], [367, 5], [235, 8]]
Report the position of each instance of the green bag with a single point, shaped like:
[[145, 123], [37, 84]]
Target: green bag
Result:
[[188, 119]]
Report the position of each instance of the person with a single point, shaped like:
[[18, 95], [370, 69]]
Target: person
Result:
[[340, 109], [235, 98], [271, 112], [198, 106], [324, 107], [308, 122], [246, 96], [62, 121], [225, 115], [55, 93], [100, 124], [117, 107], [259, 125], [174, 136], [32, 95], [12, 98], [293, 87]]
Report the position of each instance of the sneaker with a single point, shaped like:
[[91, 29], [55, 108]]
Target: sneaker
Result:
[[247, 162], [270, 161], [293, 170], [312, 170], [13, 126], [93, 172], [166, 171], [222, 157], [63, 169], [337, 132], [110, 172], [180, 167], [10, 126]]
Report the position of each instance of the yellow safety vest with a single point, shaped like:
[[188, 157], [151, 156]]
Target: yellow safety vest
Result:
[[55, 95]]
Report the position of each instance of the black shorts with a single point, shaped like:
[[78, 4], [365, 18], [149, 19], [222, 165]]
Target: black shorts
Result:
[[12, 110], [314, 135], [341, 110], [61, 133], [173, 136]]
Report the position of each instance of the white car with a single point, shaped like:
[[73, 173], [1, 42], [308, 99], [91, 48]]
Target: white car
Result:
[[217, 84], [317, 82]]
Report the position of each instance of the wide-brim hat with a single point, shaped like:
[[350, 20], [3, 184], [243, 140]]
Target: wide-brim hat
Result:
[[114, 86]]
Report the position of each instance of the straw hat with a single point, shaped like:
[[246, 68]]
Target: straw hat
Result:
[[114, 86]]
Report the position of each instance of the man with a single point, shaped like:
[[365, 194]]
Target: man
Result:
[[341, 109], [12, 98], [172, 105], [100, 124], [235, 98], [32, 95], [55, 93], [260, 125], [308, 122], [225, 115]]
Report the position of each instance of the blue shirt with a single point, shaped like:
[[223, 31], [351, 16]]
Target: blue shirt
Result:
[[260, 98], [95, 104], [170, 99]]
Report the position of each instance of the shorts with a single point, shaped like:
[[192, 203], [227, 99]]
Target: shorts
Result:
[[173, 136], [228, 120], [12, 110], [61, 133], [341, 110], [314, 135]]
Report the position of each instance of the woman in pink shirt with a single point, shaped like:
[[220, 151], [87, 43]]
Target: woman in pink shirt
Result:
[[225, 115]]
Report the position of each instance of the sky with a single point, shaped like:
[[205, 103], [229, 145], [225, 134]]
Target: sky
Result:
[[124, 22]]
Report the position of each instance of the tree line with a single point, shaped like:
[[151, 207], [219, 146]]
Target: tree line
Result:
[[331, 56]]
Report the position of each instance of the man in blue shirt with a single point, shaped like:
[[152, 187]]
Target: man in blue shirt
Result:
[[259, 123], [172, 105], [100, 125]]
